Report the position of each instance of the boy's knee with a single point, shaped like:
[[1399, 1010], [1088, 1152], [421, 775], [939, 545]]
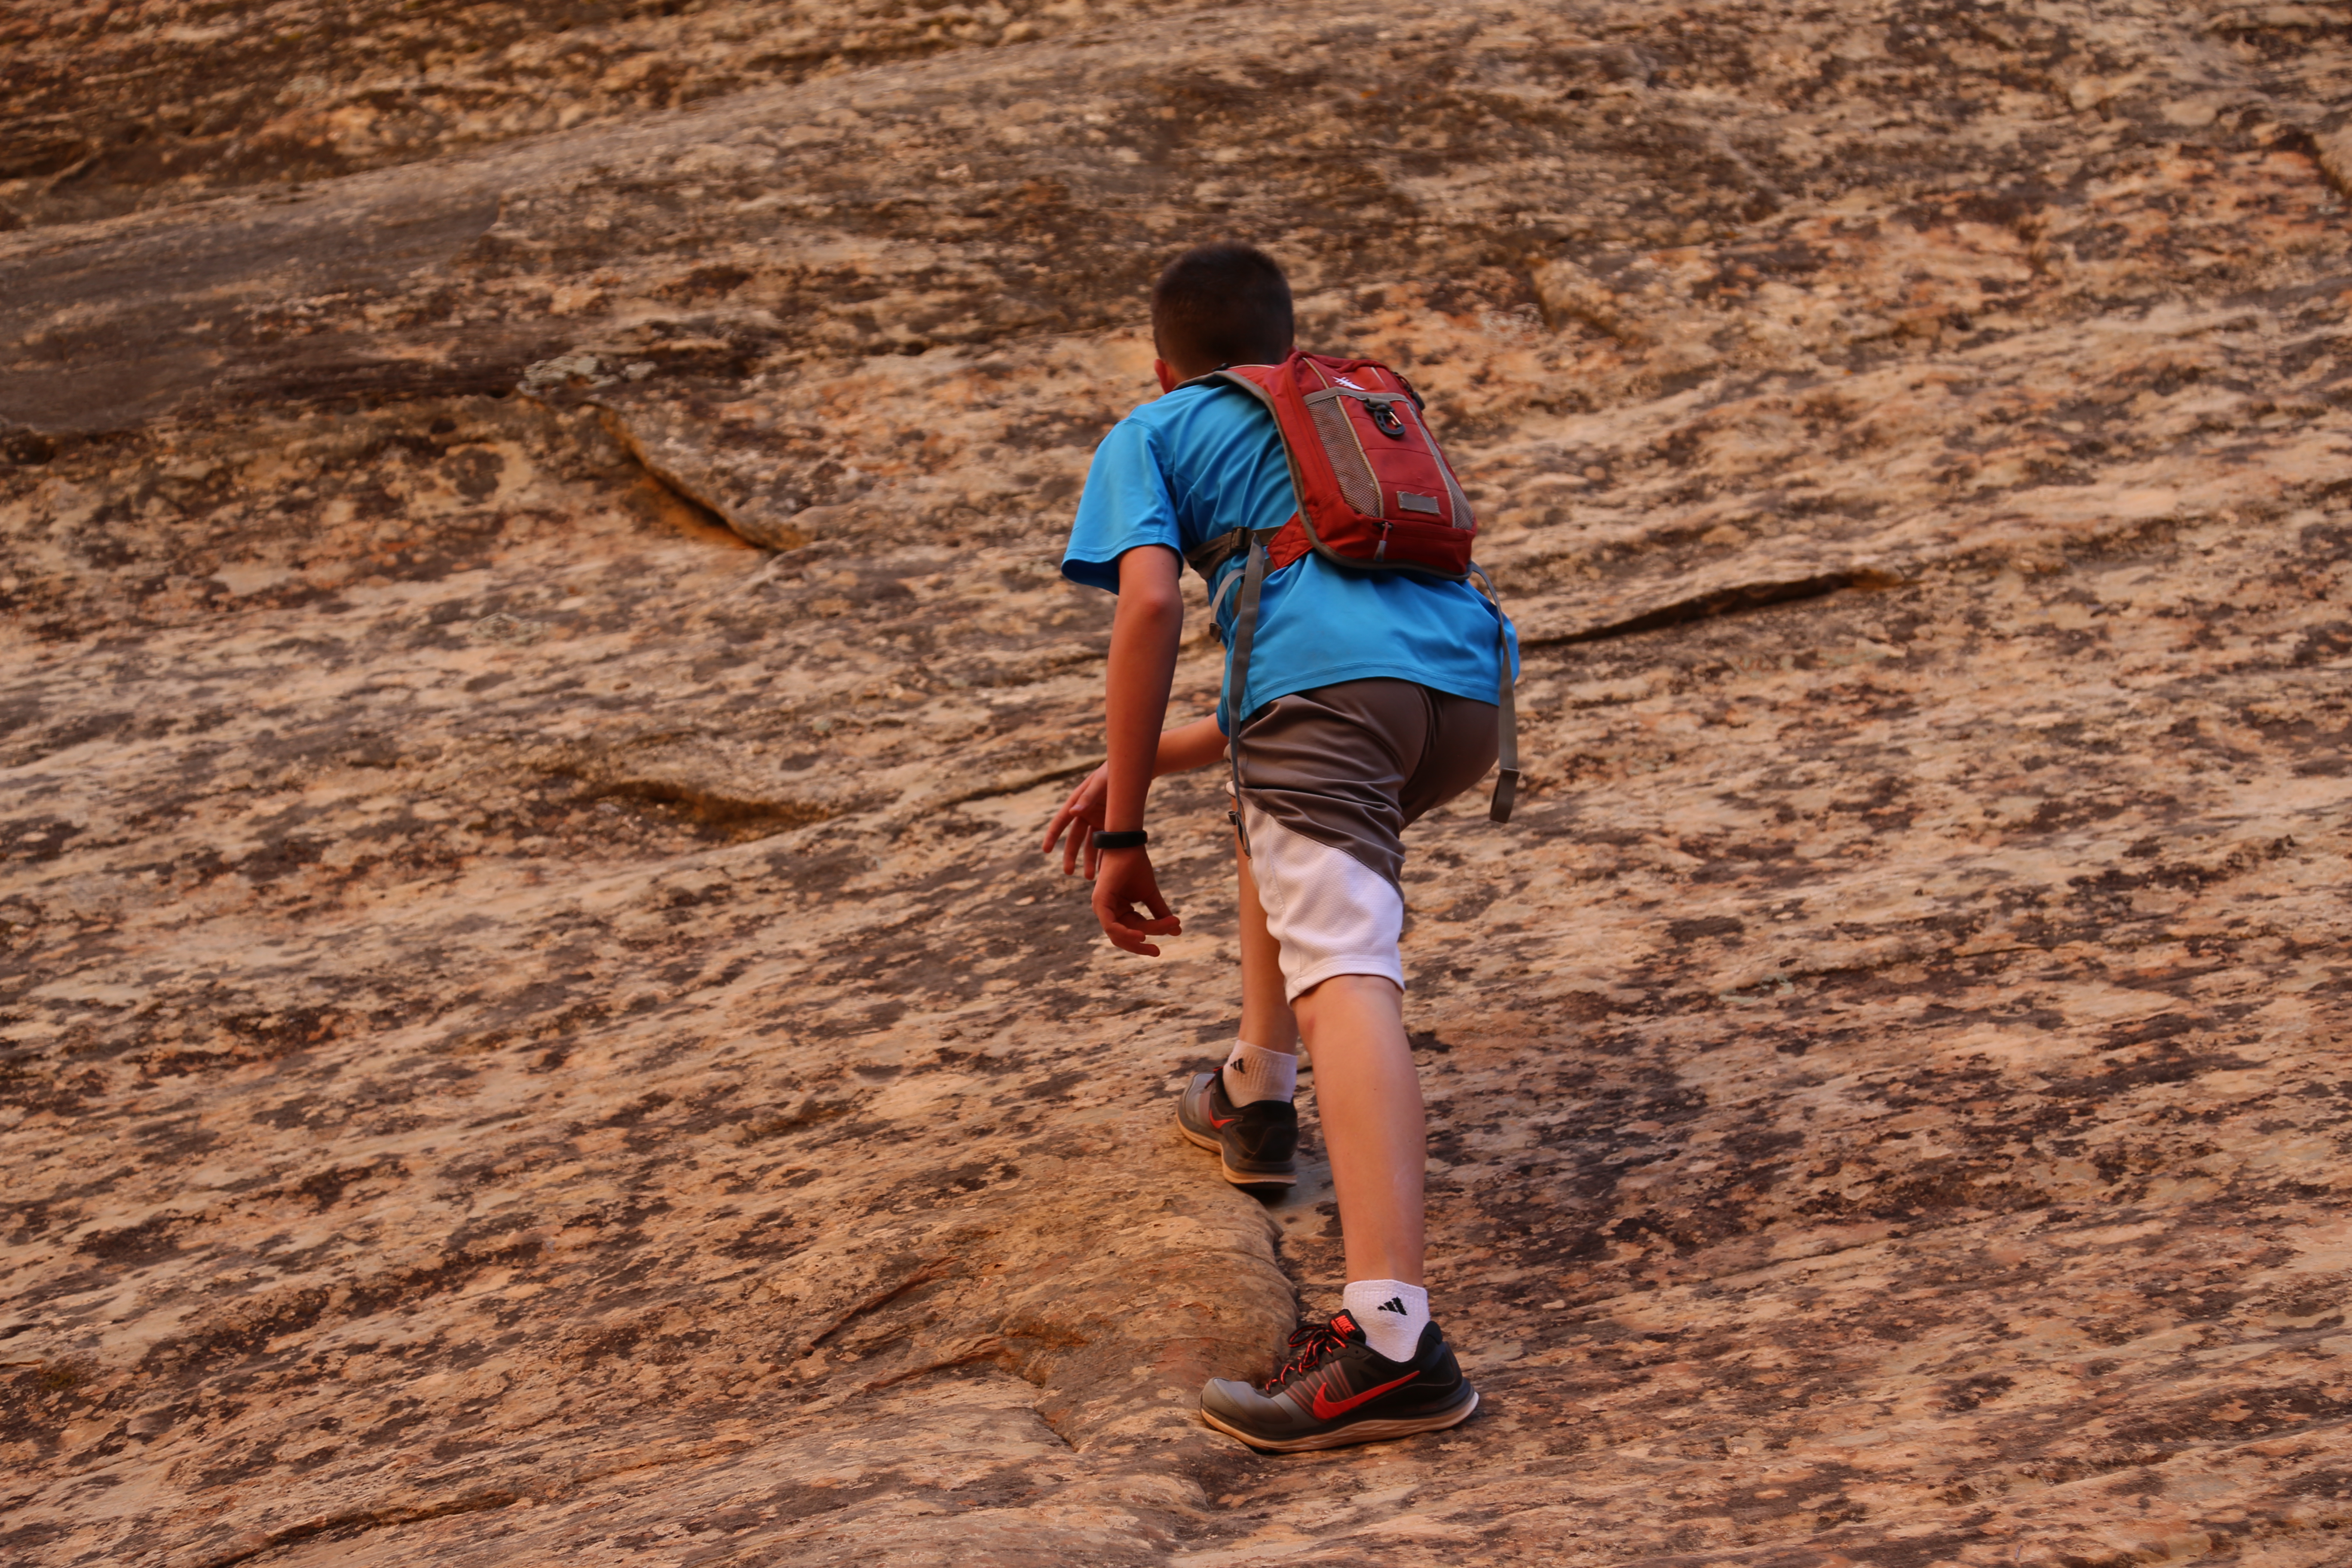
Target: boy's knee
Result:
[[1354, 987]]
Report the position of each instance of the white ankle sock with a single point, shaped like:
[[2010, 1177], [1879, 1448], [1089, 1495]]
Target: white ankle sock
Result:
[[1253, 1073], [1390, 1312]]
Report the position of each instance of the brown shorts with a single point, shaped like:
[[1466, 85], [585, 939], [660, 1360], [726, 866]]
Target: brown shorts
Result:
[[1350, 765], [1329, 779]]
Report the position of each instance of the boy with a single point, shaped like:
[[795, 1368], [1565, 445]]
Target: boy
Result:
[[1370, 701]]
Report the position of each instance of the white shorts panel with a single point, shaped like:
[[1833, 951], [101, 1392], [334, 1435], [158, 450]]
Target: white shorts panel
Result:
[[1331, 913]]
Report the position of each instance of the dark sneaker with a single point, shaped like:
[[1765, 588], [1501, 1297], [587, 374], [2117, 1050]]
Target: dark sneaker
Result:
[[1255, 1142], [1336, 1390]]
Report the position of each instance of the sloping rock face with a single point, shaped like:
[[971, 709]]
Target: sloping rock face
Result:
[[535, 1030]]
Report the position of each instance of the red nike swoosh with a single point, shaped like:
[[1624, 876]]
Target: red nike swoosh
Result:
[[1326, 1410], [1222, 1122]]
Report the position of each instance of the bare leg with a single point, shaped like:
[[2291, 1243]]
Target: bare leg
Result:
[[1368, 1099], [1266, 1019]]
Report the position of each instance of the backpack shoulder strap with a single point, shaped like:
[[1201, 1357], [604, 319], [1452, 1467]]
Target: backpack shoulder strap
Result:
[[1237, 663], [1209, 554], [1266, 383], [1506, 718], [1259, 380]]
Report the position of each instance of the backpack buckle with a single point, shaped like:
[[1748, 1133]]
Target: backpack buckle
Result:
[[1385, 419]]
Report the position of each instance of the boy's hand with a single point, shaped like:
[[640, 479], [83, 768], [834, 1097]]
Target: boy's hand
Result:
[[1124, 882], [1082, 814]]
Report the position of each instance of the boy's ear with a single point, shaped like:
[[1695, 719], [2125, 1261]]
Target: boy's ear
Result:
[[1168, 378]]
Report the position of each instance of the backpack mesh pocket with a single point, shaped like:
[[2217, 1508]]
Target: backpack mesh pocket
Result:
[[1453, 486], [1357, 486], [1462, 515]]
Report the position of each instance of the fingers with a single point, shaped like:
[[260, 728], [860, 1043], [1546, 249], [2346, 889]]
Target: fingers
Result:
[[1133, 938], [1072, 810], [1116, 908], [1062, 818], [1120, 922], [1082, 811]]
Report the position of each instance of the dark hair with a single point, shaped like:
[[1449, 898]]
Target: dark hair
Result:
[[1219, 304]]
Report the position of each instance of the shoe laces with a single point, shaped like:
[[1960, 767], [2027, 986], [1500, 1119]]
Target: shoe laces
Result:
[[1310, 1342]]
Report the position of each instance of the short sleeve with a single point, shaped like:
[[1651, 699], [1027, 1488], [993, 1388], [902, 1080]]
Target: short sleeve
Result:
[[1126, 503]]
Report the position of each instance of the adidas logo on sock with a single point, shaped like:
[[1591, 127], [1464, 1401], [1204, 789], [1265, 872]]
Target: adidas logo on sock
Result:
[[1393, 1304]]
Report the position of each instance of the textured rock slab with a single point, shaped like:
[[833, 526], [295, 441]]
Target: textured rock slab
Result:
[[1884, 1085], [536, 1032]]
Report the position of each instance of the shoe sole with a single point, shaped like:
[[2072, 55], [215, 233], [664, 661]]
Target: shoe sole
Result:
[[1238, 1178], [1357, 1432]]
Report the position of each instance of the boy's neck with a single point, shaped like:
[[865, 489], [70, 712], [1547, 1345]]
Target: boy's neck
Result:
[[1172, 377]]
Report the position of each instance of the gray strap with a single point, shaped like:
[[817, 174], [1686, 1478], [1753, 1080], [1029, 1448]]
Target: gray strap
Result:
[[1217, 605], [1237, 670], [1507, 719], [1209, 554]]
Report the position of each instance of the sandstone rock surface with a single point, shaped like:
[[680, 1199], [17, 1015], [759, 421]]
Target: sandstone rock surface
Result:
[[535, 1031]]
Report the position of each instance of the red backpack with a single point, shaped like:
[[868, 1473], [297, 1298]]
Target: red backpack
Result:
[[1375, 494]]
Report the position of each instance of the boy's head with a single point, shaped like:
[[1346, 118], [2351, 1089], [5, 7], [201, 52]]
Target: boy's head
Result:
[[1220, 304]]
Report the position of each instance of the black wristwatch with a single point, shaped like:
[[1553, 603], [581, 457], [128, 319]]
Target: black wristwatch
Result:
[[1128, 838]]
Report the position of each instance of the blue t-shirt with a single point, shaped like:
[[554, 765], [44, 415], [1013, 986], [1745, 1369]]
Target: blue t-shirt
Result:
[[1204, 461]]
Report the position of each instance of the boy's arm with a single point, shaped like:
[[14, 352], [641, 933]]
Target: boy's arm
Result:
[[1189, 746], [1181, 749], [1144, 636]]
